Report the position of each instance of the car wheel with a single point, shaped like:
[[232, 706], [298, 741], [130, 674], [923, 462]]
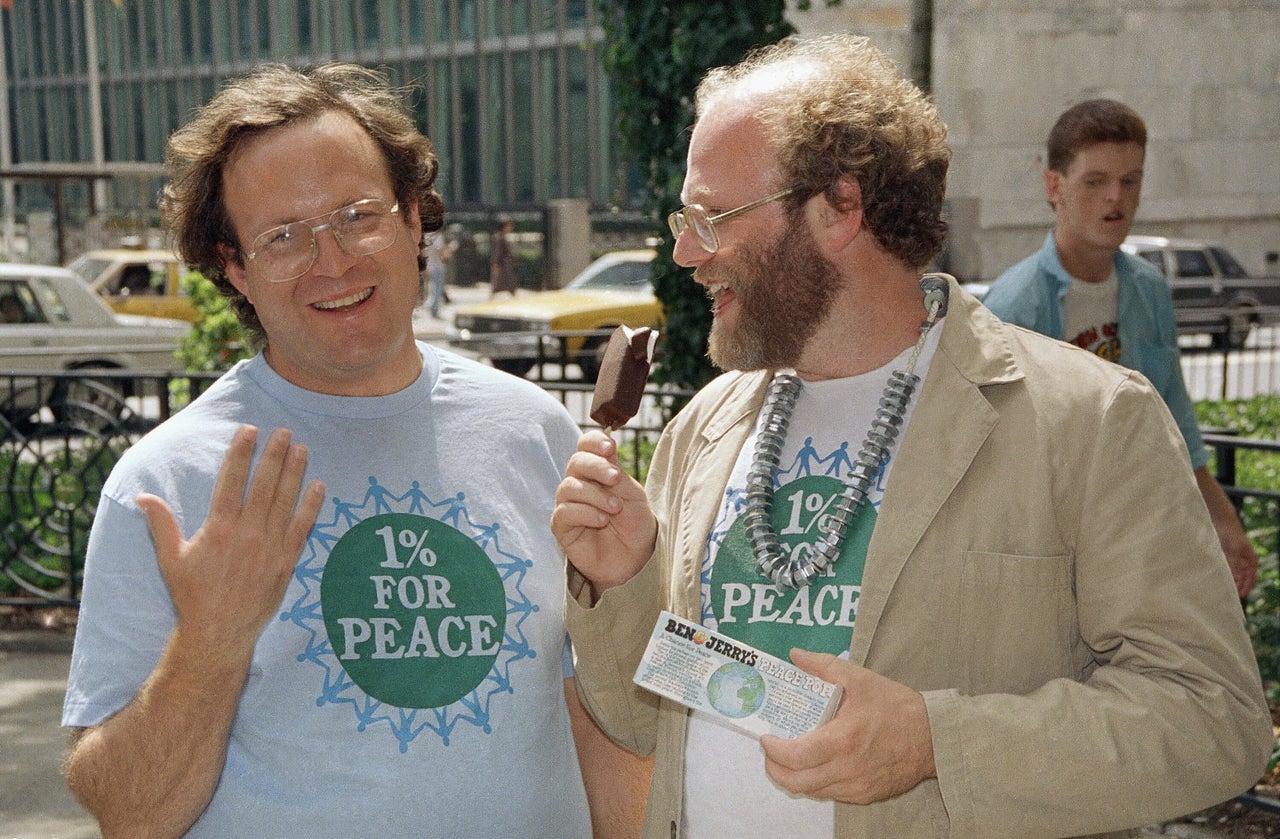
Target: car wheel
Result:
[[89, 405], [1239, 324], [514, 366]]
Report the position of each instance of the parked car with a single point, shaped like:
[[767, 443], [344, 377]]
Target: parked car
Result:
[[50, 321], [515, 333], [138, 282], [1212, 292]]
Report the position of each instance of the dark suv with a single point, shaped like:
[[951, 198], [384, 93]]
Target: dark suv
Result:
[[1211, 291]]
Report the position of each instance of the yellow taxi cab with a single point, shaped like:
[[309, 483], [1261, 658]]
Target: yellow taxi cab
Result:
[[566, 325], [138, 281]]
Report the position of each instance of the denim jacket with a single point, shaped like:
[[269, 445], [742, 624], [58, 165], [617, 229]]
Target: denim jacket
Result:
[[1030, 294]]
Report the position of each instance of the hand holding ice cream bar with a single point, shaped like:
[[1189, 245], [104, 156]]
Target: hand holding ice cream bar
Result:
[[623, 373]]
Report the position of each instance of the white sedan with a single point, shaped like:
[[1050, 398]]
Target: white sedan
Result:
[[52, 321]]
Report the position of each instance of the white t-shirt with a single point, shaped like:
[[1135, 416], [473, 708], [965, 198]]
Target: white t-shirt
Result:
[[727, 792], [411, 683], [1090, 316]]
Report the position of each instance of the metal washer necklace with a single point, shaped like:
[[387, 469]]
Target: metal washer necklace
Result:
[[779, 404]]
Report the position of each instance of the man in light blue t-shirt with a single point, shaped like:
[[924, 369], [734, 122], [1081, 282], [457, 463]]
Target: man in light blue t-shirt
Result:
[[323, 599], [1081, 288]]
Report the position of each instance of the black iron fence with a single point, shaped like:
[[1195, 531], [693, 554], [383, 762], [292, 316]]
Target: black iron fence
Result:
[[1214, 369], [60, 434]]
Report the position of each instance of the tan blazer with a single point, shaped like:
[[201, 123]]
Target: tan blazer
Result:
[[1042, 569]]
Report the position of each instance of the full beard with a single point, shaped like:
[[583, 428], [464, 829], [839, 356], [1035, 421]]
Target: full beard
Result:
[[784, 291]]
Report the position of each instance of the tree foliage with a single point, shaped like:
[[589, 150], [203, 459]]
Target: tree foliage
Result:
[[216, 341], [656, 51]]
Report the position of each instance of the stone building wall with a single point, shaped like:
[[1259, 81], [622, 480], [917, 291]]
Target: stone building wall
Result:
[[1204, 74]]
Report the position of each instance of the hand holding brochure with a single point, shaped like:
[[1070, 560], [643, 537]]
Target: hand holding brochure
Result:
[[748, 689]]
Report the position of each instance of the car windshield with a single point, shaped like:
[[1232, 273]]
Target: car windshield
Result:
[[51, 300], [1228, 265], [1154, 257], [1192, 263], [614, 276], [89, 268]]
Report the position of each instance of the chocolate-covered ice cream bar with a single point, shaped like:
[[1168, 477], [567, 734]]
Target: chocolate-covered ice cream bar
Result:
[[623, 373]]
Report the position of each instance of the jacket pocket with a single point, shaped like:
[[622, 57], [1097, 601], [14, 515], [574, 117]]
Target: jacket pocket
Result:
[[1017, 620]]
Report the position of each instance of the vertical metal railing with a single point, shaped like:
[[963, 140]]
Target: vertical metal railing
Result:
[[1213, 370]]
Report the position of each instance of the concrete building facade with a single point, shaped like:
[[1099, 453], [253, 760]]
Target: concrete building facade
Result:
[[1204, 74]]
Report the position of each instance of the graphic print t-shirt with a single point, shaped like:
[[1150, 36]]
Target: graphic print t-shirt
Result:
[[1090, 316], [826, 431], [411, 680]]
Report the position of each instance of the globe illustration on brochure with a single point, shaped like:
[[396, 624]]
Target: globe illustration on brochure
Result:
[[736, 690]]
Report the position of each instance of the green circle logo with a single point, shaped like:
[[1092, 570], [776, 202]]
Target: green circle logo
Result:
[[819, 616], [415, 611]]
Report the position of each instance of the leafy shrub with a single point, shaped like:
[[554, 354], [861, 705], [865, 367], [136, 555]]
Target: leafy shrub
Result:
[[216, 341], [634, 454], [1257, 418]]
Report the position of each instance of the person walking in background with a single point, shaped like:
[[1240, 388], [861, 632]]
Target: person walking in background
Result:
[[1015, 582], [1081, 288], [502, 268], [439, 251], [350, 625]]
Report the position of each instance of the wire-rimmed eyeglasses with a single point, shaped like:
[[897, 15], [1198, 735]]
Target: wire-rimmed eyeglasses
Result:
[[287, 252], [695, 218]]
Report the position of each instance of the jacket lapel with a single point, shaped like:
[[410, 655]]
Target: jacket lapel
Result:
[[948, 426], [718, 443]]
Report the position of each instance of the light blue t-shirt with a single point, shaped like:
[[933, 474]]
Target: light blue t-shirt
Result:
[[412, 682]]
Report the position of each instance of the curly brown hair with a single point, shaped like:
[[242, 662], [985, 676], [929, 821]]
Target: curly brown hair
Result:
[[192, 205], [845, 111]]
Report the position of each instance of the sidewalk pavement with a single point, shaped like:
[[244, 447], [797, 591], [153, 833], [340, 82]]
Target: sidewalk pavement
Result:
[[34, 800], [432, 329]]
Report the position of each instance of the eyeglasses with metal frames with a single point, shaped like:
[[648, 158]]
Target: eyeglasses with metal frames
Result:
[[695, 217], [288, 251]]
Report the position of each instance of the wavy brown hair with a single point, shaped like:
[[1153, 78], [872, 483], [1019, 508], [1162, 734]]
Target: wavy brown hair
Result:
[[848, 112], [192, 205]]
